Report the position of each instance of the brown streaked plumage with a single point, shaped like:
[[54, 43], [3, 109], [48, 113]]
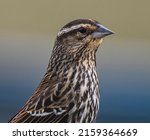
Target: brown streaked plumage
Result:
[[69, 90]]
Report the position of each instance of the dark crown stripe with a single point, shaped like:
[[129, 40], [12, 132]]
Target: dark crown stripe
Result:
[[74, 25], [81, 21]]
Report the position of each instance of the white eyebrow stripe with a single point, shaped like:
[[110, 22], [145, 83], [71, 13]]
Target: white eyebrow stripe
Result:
[[66, 30]]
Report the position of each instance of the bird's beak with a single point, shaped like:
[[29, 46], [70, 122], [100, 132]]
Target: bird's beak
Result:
[[101, 32]]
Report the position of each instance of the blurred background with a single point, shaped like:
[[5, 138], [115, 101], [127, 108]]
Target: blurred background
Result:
[[27, 32]]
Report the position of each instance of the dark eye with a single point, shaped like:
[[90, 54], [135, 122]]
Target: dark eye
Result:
[[82, 30]]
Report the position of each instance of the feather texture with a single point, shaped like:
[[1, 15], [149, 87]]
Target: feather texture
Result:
[[69, 91]]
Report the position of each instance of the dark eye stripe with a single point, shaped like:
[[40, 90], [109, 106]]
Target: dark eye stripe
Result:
[[71, 29]]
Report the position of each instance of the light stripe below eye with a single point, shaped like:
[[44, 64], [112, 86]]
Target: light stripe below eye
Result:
[[74, 27]]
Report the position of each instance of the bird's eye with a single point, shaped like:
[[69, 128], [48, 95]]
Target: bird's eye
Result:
[[82, 30]]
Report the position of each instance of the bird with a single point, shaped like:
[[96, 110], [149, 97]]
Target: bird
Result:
[[69, 91]]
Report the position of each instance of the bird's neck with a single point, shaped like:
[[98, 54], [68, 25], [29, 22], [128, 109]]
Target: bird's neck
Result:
[[86, 57]]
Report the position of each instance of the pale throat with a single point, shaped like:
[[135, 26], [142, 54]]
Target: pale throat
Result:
[[95, 43]]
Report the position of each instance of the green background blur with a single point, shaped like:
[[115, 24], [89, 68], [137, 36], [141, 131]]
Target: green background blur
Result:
[[129, 18], [27, 32]]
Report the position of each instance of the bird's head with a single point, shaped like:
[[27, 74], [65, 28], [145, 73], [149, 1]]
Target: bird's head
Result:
[[80, 35]]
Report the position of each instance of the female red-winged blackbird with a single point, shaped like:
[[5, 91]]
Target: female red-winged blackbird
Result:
[[69, 91]]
